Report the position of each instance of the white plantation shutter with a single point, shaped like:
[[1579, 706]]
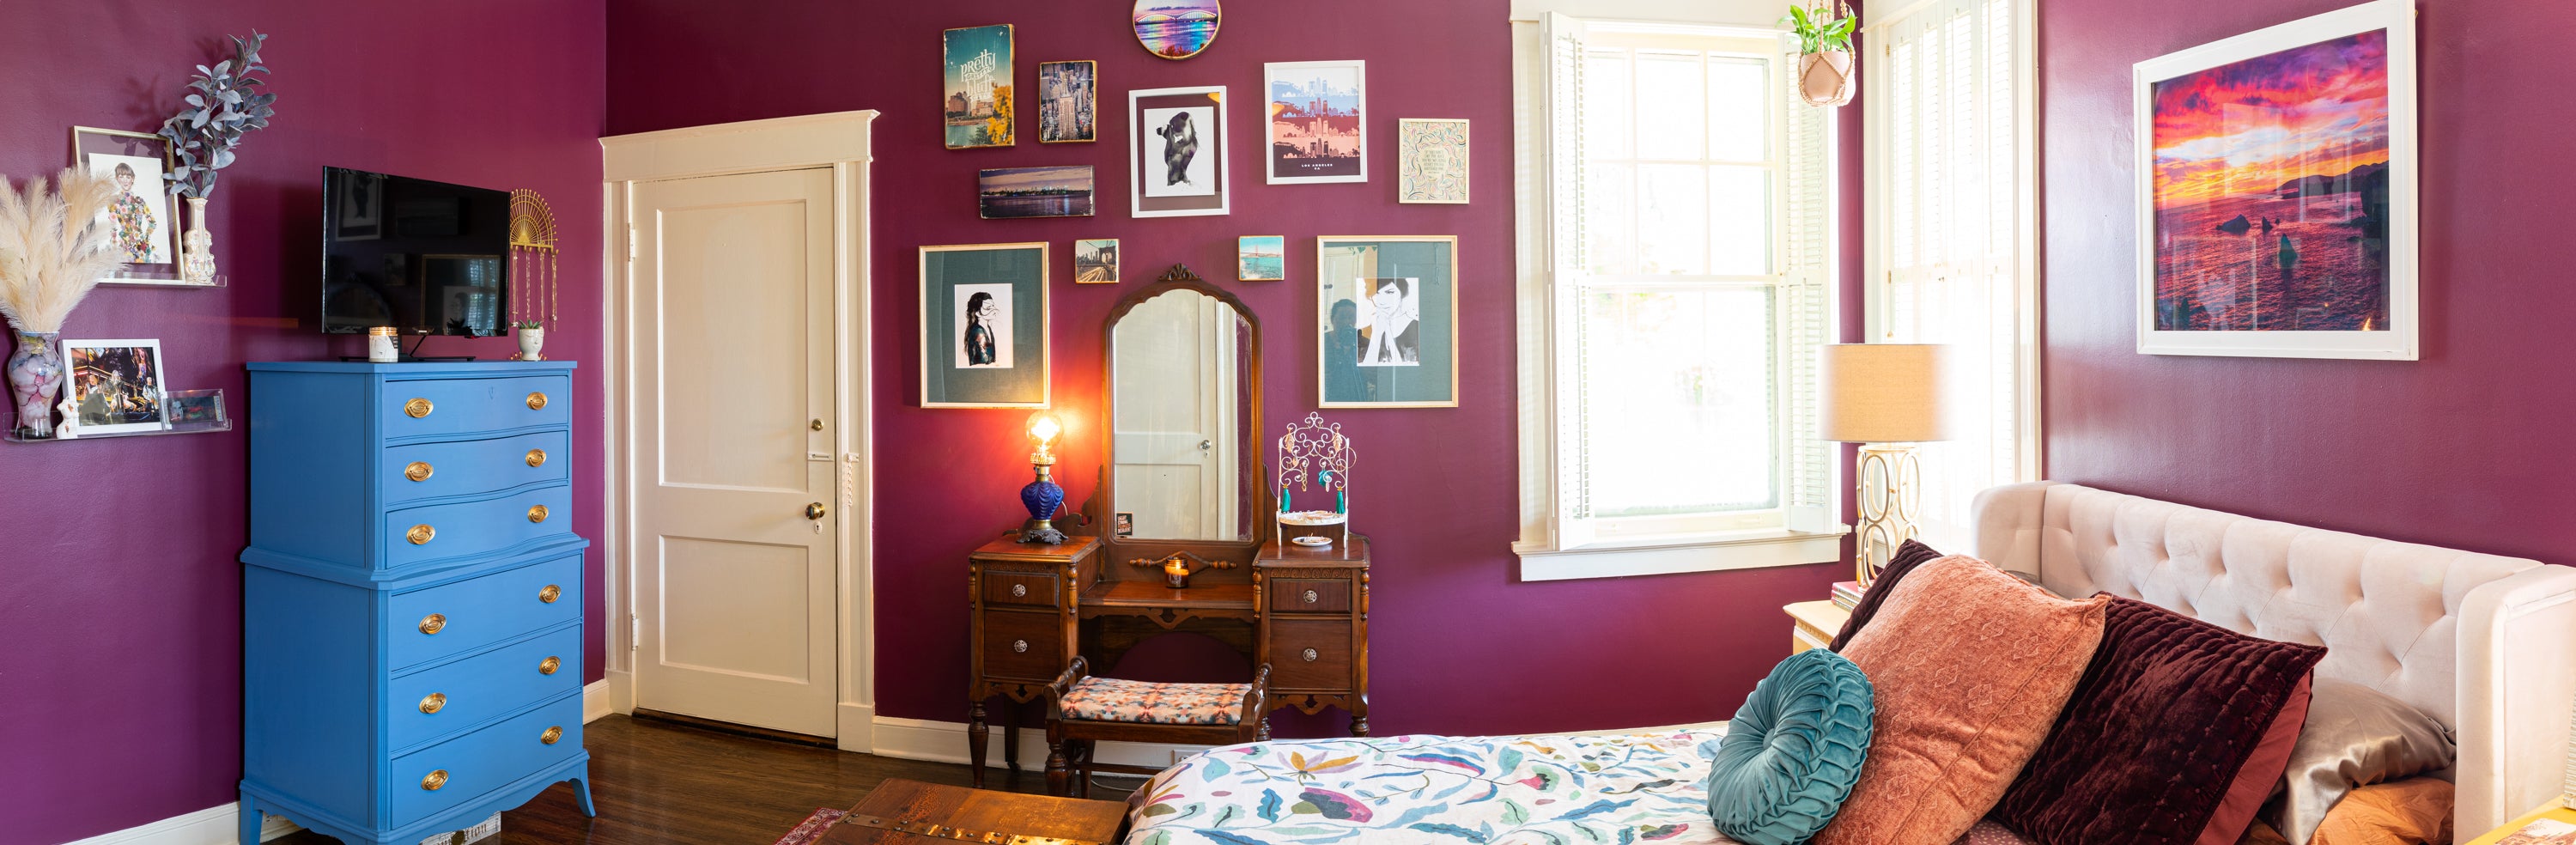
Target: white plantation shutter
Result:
[[1950, 251], [1564, 37], [1807, 319]]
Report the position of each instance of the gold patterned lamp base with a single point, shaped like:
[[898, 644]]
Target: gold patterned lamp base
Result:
[[1891, 493]]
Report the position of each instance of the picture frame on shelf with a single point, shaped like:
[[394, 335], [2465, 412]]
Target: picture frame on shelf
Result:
[[115, 386], [1068, 102], [1387, 321], [144, 217], [197, 408], [976, 100], [1261, 258], [1176, 145], [1431, 161], [1095, 261], [984, 326], [1316, 123], [1019, 193]]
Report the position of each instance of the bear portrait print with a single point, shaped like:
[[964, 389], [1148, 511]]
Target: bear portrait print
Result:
[[1176, 145]]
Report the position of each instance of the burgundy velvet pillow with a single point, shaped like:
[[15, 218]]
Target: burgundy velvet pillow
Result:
[[2160, 732], [1912, 554]]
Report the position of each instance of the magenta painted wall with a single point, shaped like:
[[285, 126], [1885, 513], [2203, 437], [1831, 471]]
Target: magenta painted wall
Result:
[[119, 592], [1459, 646], [2455, 449]]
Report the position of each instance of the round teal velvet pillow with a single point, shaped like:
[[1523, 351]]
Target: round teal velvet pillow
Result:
[[1792, 753]]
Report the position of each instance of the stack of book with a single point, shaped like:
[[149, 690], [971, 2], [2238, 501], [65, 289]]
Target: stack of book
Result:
[[1846, 594]]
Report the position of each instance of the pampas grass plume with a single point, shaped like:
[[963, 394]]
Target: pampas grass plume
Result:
[[54, 246]]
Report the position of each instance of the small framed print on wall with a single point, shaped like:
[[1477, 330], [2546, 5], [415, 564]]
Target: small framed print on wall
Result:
[[1388, 317], [143, 217], [1176, 139], [1095, 261], [1068, 102], [976, 92], [984, 326], [1431, 161]]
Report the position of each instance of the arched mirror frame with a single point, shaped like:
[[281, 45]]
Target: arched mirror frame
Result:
[[1122, 552]]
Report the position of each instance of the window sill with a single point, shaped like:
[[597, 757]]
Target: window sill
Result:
[[1675, 554]]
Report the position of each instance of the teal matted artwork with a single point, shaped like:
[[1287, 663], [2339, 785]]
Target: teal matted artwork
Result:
[[1388, 314], [984, 326]]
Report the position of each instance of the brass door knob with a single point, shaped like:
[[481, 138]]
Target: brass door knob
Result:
[[417, 471], [420, 535], [552, 735], [436, 701], [537, 513], [434, 780], [536, 457], [816, 425], [549, 665], [417, 408], [433, 623], [536, 401], [549, 594], [816, 511]]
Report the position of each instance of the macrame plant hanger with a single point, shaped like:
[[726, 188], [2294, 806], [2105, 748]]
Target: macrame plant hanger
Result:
[[1821, 81], [533, 294]]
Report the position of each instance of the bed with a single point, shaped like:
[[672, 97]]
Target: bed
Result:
[[2476, 640]]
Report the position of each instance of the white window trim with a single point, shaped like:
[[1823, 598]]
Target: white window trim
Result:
[[1542, 556]]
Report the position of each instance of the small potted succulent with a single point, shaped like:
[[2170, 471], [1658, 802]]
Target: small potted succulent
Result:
[[225, 105], [1825, 76], [532, 340]]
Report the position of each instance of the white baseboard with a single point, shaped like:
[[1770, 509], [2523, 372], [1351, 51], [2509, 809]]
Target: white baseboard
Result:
[[594, 701], [857, 728], [945, 742], [621, 690], [210, 826]]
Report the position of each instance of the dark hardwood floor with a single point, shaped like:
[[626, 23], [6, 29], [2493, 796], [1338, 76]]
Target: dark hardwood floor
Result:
[[658, 782]]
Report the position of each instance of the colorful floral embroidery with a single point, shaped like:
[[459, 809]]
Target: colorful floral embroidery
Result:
[[134, 227], [1114, 700]]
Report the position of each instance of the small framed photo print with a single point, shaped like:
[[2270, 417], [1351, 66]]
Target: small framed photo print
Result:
[[1318, 122], [1068, 102], [196, 408], [1388, 317], [1176, 139], [977, 97], [143, 216], [1095, 261], [1261, 258], [115, 385], [1126, 524], [984, 326], [1011, 193], [1431, 161]]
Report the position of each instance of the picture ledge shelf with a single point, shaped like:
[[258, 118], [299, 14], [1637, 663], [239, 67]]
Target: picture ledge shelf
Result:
[[219, 282], [181, 428]]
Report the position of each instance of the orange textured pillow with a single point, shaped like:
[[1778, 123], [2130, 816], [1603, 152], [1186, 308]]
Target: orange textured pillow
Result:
[[1970, 666]]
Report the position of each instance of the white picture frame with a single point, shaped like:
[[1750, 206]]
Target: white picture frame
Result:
[[1173, 195], [138, 377], [1283, 112], [2398, 341]]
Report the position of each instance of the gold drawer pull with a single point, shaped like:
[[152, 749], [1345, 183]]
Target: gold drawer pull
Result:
[[549, 665], [434, 780], [536, 457], [537, 513], [420, 535], [552, 735], [536, 401], [418, 408], [436, 701], [1311, 597], [549, 594], [418, 471], [1309, 655], [433, 623]]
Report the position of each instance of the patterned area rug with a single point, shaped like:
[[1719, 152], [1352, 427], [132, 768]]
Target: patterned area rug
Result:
[[812, 829]]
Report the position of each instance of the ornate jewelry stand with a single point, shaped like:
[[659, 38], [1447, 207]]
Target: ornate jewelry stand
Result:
[[1315, 452]]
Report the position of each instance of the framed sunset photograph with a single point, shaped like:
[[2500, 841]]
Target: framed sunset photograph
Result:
[[2277, 179]]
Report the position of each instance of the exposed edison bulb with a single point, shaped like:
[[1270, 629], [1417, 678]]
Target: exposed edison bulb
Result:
[[1043, 429]]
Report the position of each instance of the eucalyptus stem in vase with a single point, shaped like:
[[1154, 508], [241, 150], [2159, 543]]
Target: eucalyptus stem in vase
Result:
[[227, 104]]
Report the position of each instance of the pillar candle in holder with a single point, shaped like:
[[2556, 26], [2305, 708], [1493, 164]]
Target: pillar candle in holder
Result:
[[1176, 575]]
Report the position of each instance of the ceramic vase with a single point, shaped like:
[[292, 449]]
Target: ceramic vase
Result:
[[1042, 497], [35, 375], [197, 261], [1826, 79], [531, 342]]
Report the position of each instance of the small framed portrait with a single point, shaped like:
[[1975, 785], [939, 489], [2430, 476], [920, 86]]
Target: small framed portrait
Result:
[[1261, 258], [143, 216], [984, 326], [1431, 161], [1318, 122], [977, 78], [115, 385], [1176, 139], [1095, 261], [1068, 102], [1011, 193], [1388, 318]]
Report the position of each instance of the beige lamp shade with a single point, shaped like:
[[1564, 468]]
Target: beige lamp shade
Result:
[[1887, 392]]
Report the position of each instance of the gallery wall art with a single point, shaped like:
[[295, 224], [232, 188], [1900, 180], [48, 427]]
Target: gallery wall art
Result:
[[1317, 126], [1431, 161], [1017, 192], [976, 98], [143, 220], [1176, 141], [1261, 258], [1068, 102], [984, 326], [1176, 29], [1387, 321], [1095, 261]]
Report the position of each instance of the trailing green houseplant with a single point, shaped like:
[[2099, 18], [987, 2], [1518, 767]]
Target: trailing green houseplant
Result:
[[226, 104], [1824, 36]]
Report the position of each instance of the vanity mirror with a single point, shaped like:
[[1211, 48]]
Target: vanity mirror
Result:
[[1183, 404]]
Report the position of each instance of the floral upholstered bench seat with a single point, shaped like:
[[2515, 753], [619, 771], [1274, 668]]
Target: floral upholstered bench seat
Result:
[[1145, 702]]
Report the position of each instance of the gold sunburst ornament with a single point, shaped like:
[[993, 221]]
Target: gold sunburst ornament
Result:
[[533, 288]]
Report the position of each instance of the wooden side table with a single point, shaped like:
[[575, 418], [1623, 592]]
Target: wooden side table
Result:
[[909, 812], [2553, 810], [1021, 614], [1815, 624]]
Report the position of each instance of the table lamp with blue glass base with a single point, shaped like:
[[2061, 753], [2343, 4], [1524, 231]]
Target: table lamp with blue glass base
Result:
[[1042, 496]]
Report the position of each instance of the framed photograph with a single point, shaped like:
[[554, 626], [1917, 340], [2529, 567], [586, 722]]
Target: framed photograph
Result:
[[1431, 161], [1388, 317], [1176, 29], [144, 216], [1261, 258], [1013, 193], [978, 86], [115, 385], [359, 211], [1095, 261], [196, 408], [984, 326], [1068, 102], [2277, 189], [1176, 151], [1318, 121], [1125, 525]]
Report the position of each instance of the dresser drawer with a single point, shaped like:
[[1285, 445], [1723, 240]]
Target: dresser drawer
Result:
[[464, 468], [449, 406], [1310, 654], [482, 761], [445, 699], [1023, 645], [1022, 588], [1310, 595], [413, 535], [481, 611]]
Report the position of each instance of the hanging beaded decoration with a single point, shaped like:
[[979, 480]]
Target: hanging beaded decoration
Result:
[[1315, 452], [532, 285]]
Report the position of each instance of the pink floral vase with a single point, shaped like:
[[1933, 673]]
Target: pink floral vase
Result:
[[35, 375]]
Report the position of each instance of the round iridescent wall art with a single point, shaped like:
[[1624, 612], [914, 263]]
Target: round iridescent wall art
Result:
[[1176, 29]]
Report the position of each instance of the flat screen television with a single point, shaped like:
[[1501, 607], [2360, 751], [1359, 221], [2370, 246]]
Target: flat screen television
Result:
[[423, 257]]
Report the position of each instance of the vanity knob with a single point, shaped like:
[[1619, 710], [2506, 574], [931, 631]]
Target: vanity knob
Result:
[[1311, 597], [1020, 646], [1309, 655], [1019, 590], [435, 702], [417, 471]]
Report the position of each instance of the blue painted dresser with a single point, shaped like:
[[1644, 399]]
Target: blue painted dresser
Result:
[[411, 597]]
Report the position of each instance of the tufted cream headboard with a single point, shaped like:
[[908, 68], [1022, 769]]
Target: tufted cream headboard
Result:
[[2485, 643]]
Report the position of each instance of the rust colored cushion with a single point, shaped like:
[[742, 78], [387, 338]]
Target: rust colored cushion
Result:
[[2160, 733], [1908, 556], [1971, 666], [2413, 811]]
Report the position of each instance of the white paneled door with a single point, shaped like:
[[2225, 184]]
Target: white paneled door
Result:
[[737, 520]]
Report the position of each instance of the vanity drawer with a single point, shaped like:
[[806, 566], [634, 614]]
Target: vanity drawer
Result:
[[464, 468], [429, 624], [470, 766], [1024, 645], [413, 535], [1310, 595], [445, 699], [449, 406], [1022, 588], [1310, 654]]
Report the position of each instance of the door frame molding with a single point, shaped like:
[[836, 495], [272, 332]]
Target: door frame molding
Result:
[[839, 141]]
